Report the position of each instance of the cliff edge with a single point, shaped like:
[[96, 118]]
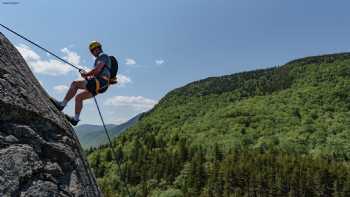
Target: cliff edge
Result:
[[40, 154]]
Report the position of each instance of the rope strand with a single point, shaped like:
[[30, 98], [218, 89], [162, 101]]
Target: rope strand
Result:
[[111, 146]]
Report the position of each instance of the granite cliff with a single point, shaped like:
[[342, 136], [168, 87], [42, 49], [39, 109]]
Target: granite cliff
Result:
[[40, 155]]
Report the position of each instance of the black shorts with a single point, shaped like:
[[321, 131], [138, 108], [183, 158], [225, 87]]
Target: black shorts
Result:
[[96, 85]]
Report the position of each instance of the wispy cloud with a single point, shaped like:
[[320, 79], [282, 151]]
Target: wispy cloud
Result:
[[48, 66], [60, 88], [71, 56], [27, 53], [129, 61], [136, 103], [123, 79], [160, 62], [117, 120]]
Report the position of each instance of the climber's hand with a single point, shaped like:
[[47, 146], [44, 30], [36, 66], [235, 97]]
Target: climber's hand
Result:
[[113, 81], [83, 73]]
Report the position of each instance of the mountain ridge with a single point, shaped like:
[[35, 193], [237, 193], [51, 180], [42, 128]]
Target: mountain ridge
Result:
[[325, 58]]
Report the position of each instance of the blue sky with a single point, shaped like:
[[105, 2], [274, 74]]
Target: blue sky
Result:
[[165, 44]]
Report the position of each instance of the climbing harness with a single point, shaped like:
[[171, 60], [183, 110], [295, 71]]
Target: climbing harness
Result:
[[97, 106]]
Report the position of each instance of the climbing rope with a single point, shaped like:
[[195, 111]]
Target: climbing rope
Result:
[[97, 106], [111, 145]]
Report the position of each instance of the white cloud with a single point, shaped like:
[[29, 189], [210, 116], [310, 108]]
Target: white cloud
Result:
[[71, 56], [160, 62], [136, 103], [51, 66], [123, 79], [61, 88], [129, 61], [27, 53]]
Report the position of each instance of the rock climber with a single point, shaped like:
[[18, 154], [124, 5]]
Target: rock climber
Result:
[[95, 82]]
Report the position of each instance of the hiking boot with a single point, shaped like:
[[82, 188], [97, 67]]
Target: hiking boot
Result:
[[60, 107], [72, 120], [57, 104]]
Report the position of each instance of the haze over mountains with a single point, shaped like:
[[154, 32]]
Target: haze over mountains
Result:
[[92, 136]]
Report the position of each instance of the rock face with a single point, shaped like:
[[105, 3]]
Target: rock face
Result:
[[39, 153]]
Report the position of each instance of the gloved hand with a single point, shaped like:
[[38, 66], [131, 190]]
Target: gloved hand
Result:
[[113, 81], [83, 73]]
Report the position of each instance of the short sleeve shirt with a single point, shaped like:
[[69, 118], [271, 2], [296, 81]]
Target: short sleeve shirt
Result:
[[104, 59]]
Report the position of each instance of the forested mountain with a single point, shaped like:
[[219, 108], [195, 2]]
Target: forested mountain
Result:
[[282, 131]]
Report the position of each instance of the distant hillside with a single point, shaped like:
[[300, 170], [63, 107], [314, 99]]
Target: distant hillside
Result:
[[284, 131], [92, 136], [87, 134]]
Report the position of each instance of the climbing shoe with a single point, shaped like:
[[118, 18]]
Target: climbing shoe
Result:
[[57, 104], [72, 120]]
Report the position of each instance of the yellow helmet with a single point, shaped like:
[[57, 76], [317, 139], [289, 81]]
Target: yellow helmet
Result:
[[94, 44]]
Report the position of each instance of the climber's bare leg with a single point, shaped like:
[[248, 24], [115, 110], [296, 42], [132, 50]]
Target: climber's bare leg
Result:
[[74, 87], [79, 100]]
